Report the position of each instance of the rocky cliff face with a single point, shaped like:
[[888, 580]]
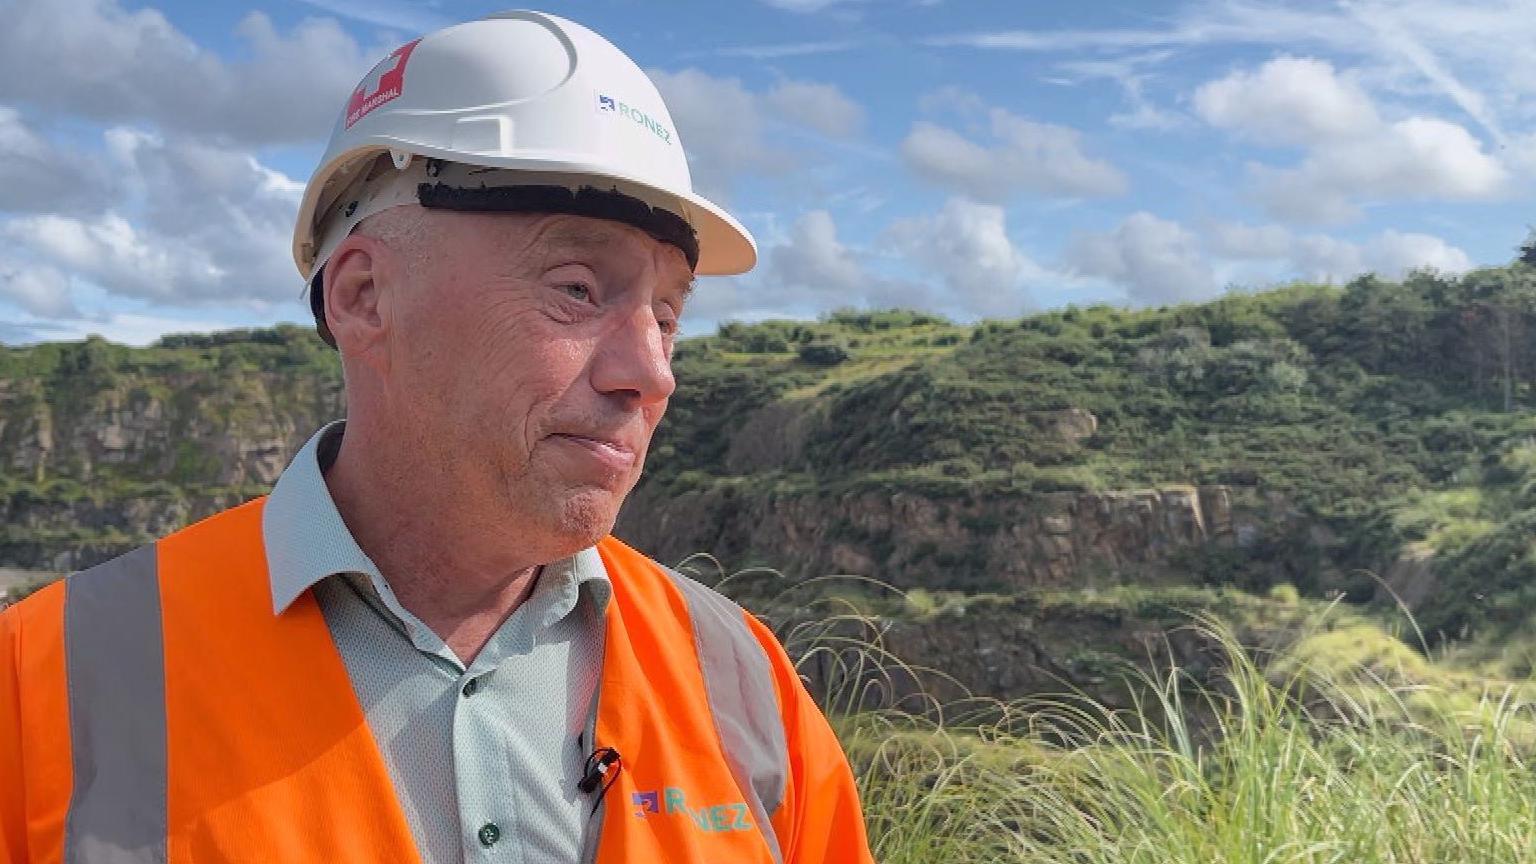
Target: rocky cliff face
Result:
[[104, 450], [197, 428], [1055, 539], [96, 469], [1003, 541]]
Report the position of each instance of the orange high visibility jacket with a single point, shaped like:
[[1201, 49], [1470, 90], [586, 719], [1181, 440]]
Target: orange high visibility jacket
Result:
[[154, 709]]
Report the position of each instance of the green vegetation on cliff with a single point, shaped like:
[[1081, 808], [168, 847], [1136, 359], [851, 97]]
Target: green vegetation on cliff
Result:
[[1320, 392], [1309, 435], [1376, 420]]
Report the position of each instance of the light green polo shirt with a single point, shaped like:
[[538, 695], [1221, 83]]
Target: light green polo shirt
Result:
[[485, 759]]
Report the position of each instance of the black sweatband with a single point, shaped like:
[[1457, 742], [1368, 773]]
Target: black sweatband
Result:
[[611, 204]]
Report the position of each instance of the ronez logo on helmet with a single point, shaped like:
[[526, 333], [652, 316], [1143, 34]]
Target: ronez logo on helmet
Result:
[[381, 85], [630, 112]]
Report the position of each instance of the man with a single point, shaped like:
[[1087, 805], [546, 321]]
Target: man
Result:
[[423, 645]]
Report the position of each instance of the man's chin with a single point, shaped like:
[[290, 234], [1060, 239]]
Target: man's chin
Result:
[[586, 516]]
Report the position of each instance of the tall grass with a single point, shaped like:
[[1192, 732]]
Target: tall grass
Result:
[[1278, 756]]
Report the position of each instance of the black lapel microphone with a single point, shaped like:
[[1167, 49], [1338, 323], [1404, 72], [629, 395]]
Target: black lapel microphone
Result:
[[599, 763]]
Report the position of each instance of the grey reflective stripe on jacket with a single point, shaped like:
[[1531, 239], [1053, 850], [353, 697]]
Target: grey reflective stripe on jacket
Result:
[[114, 654], [742, 700]]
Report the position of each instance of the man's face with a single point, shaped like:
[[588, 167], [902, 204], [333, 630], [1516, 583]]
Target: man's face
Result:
[[533, 356]]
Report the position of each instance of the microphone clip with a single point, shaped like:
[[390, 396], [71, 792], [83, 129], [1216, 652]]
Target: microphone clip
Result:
[[599, 763]]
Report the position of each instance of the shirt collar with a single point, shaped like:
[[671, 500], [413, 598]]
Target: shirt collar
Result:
[[307, 541], [304, 534]]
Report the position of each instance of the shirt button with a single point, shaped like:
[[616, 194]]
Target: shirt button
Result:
[[489, 834], [470, 687]]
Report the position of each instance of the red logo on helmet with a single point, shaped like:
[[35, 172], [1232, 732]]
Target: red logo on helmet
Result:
[[382, 84]]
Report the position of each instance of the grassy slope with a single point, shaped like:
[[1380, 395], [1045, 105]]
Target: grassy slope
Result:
[[1373, 759]]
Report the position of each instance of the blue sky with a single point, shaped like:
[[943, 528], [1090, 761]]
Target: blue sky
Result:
[[979, 159]]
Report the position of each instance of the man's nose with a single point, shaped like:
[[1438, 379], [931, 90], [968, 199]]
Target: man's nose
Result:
[[635, 359]]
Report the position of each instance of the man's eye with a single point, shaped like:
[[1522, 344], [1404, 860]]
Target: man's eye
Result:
[[577, 291]]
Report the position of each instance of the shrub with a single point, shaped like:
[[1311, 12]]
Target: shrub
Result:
[[823, 353]]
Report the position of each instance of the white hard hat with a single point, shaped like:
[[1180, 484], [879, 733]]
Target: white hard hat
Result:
[[522, 91]]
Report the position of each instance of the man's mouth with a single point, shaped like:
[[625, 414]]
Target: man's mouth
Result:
[[614, 454]]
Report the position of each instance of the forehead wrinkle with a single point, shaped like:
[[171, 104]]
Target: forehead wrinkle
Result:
[[587, 234], [566, 232]]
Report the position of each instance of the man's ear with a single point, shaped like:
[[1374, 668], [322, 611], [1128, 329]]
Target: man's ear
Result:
[[353, 299]]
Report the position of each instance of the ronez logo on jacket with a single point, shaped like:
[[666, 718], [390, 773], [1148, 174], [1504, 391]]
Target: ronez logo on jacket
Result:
[[672, 800]]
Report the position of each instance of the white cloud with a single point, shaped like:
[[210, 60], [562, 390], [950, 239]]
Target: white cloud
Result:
[[41, 291], [724, 126], [1155, 260], [720, 123], [1476, 57], [209, 224], [99, 61], [1295, 101], [804, 6], [780, 50], [111, 250], [1393, 254], [1352, 155], [976, 269], [38, 175], [1060, 40], [1142, 113], [1039, 158], [1414, 159], [1130, 73], [966, 243], [1237, 240], [1321, 258], [821, 107], [402, 15], [1404, 35], [807, 270], [814, 259], [175, 210]]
